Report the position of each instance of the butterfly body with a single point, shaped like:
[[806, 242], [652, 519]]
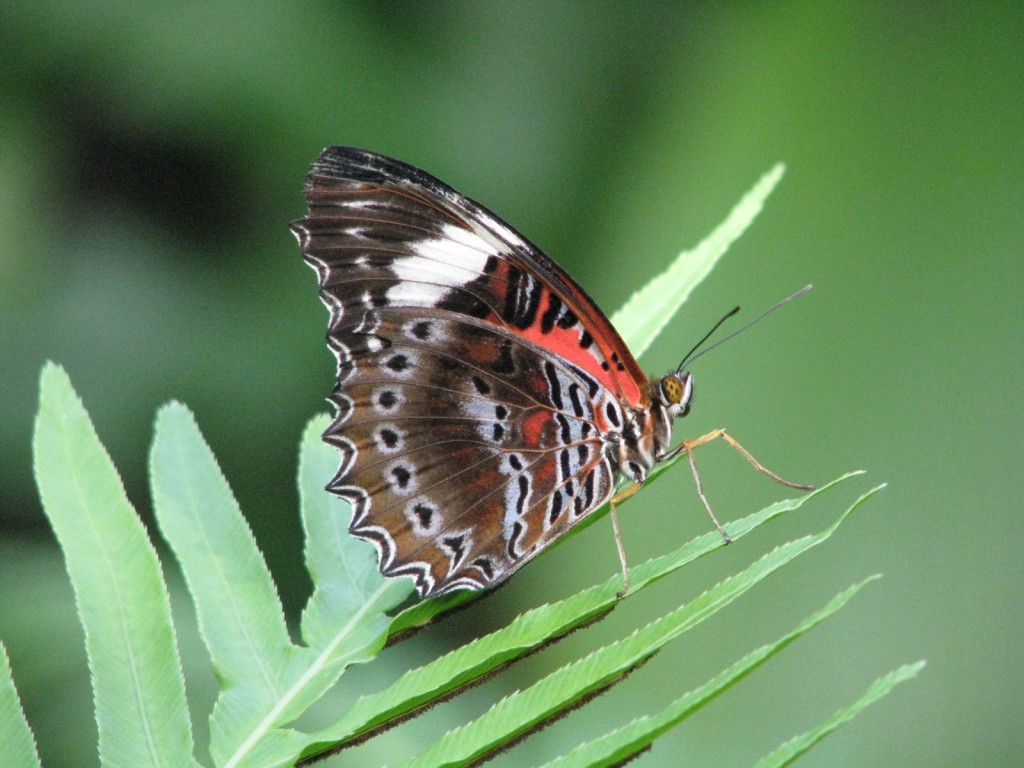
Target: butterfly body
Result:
[[484, 404]]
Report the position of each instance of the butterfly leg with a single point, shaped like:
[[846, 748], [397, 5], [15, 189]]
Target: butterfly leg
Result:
[[691, 444], [703, 498], [618, 537], [687, 447]]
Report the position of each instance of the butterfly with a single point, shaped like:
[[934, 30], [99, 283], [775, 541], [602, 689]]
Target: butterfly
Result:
[[484, 403]]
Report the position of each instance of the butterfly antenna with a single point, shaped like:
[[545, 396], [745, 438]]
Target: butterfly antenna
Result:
[[729, 314], [707, 336]]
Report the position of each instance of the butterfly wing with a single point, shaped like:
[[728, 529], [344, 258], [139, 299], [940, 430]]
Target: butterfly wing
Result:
[[465, 449], [381, 232], [476, 380]]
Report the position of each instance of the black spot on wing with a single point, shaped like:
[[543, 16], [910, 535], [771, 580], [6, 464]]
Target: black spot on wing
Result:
[[563, 422], [568, 319], [456, 546], [397, 363], [424, 513], [613, 414], [554, 385], [556, 507], [522, 298], [402, 476], [547, 320], [565, 463], [503, 363], [524, 492], [480, 385], [517, 532], [577, 404]]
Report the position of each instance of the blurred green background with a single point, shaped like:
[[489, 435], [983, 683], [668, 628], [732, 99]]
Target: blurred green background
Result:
[[152, 155]]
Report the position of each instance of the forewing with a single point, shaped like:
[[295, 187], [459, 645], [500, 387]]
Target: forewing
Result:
[[383, 233]]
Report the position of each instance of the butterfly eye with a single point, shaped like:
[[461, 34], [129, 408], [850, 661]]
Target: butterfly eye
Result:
[[676, 393]]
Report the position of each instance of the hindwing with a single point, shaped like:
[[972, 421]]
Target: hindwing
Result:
[[465, 449]]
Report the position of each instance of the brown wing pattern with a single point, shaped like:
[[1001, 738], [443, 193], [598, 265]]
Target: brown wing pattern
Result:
[[477, 382], [465, 449], [381, 232]]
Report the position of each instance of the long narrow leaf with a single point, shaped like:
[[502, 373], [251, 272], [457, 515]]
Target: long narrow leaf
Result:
[[797, 746], [518, 714], [267, 681], [659, 567], [620, 745], [122, 600], [17, 747], [649, 309], [424, 612], [531, 630], [239, 612]]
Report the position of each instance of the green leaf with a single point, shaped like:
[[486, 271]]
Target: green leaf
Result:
[[426, 611], [797, 746], [620, 745], [240, 615], [17, 747], [528, 632], [343, 568], [267, 681], [519, 714], [649, 310], [121, 597]]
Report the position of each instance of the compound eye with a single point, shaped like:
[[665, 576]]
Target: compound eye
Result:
[[671, 390], [677, 392]]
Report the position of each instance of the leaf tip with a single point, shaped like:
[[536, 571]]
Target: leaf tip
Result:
[[52, 378], [770, 180], [171, 410], [50, 369]]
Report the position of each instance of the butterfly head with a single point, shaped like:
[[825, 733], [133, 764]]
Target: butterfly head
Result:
[[675, 392], [647, 437]]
